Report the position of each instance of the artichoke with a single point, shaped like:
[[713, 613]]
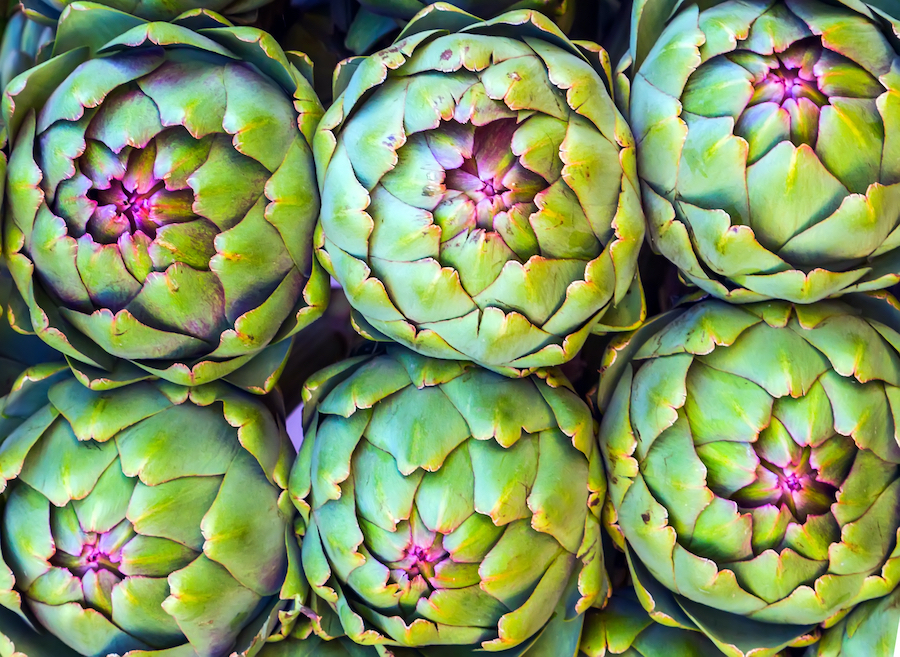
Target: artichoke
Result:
[[479, 197], [446, 505], [623, 627], [143, 519], [753, 456], [767, 138], [870, 629], [25, 43], [161, 198]]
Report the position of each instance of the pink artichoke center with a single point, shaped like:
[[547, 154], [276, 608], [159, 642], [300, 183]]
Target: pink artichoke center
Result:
[[126, 209], [787, 82], [490, 174], [418, 561], [795, 485], [99, 552]]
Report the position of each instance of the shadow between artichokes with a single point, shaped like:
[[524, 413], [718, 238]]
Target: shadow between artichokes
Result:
[[151, 519], [767, 140], [752, 454], [161, 198], [479, 193], [445, 510]]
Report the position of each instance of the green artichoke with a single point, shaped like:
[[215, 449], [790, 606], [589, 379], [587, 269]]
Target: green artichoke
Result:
[[753, 456], [25, 43], [767, 138], [479, 197], [150, 519], [623, 627], [869, 630], [161, 198], [446, 505]]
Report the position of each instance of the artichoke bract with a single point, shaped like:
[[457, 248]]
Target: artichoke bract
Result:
[[623, 627], [142, 519], [479, 195], [870, 629], [444, 504], [25, 42], [752, 455], [767, 139], [161, 199]]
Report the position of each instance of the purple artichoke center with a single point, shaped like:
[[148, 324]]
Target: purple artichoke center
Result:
[[124, 209], [100, 552], [787, 83], [482, 175], [484, 180], [795, 485], [418, 562]]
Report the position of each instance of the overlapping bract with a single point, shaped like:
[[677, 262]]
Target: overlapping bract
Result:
[[479, 194], [146, 518], [767, 144], [25, 43], [161, 198], [870, 629], [753, 461], [444, 504], [623, 627]]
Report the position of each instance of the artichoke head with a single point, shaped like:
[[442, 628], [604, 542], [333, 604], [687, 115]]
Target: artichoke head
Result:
[[479, 194], [161, 198], [768, 148], [754, 465], [147, 518], [442, 504]]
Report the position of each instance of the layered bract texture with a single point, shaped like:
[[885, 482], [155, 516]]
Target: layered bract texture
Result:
[[870, 629], [623, 627], [753, 461], [479, 194], [767, 135], [444, 504], [25, 42], [145, 518], [161, 199]]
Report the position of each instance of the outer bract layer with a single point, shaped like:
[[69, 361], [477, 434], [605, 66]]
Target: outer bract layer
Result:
[[753, 461], [767, 135], [444, 504], [17, 351], [161, 198], [623, 627], [146, 518], [25, 42], [870, 629], [479, 195]]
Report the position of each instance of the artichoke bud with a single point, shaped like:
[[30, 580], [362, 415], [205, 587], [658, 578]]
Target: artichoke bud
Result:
[[754, 465], [479, 198], [161, 219], [438, 514], [140, 519], [766, 140]]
